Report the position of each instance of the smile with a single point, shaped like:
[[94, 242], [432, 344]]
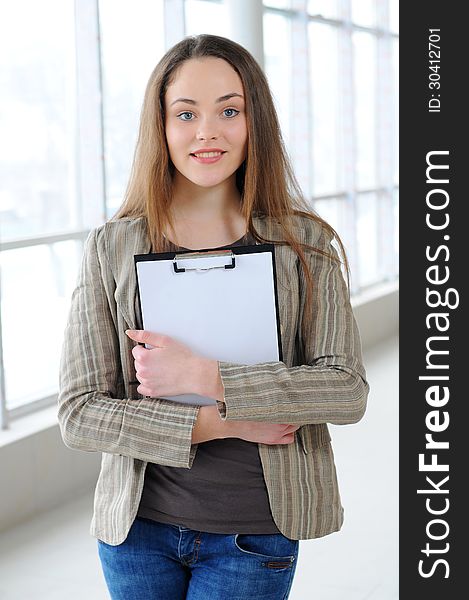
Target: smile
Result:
[[207, 157]]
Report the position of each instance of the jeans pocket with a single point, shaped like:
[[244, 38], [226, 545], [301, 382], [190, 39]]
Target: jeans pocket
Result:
[[275, 551]]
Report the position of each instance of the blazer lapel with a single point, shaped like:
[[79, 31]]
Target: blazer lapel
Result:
[[128, 238]]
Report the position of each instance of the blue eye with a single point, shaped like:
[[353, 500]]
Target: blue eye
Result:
[[185, 113], [232, 110]]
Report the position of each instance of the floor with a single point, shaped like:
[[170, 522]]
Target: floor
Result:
[[54, 557]]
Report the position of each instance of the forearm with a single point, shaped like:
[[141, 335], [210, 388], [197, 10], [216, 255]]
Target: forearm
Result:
[[299, 395], [147, 429], [209, 425], [274, 393]]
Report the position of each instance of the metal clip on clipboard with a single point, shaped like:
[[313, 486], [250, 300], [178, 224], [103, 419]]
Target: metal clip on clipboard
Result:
[[198, 255]]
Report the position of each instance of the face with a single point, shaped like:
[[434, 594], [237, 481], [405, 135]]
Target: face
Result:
[[205, 112]]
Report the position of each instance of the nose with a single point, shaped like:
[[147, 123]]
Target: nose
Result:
[[202, 135], [207, 130]]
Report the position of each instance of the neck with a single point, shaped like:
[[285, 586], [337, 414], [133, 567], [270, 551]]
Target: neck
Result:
[[202, 204]]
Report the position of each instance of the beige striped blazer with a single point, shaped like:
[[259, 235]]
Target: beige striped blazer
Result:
[[321, 380]]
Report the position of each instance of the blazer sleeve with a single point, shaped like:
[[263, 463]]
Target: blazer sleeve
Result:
[[331, 386], [92, 412]]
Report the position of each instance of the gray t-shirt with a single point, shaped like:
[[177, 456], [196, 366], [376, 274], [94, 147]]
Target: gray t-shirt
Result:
[[223, 492]]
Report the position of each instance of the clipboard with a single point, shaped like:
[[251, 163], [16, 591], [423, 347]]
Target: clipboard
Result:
[[222, 303]]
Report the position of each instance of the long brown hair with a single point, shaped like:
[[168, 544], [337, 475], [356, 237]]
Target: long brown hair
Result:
[[265, 179]]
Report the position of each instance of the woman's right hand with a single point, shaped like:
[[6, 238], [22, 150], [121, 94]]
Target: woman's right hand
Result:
[[210, 426], [258, 431]]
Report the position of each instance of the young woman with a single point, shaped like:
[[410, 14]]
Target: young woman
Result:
[[210, 502]]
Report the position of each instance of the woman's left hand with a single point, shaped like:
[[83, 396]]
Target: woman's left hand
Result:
[[168, 369]]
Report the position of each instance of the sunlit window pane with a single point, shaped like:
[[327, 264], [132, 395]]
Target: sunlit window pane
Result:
[[367, 239], [206, 17], [278, 66], [278, 3], [132, 42], [37, 283], [364, 46], [324, 8], [325, 107], [333, 211], [394, 15], [363, 12], [37, 118]]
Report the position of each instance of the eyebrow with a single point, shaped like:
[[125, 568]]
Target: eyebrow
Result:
[[218, 100]]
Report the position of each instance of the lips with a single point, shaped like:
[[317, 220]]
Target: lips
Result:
[[207, 153], [208, 157]]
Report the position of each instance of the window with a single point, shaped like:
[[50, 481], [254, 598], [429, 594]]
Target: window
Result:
[[340, 127], [205, 16], [326, 142], [39, 210], [278, 63], [126, 68], [69, 111], [37, 282], [37, 119]]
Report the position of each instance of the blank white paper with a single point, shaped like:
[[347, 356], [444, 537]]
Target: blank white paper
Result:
[[222, 314]]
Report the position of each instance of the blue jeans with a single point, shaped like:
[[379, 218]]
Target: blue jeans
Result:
[[171, 562]]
